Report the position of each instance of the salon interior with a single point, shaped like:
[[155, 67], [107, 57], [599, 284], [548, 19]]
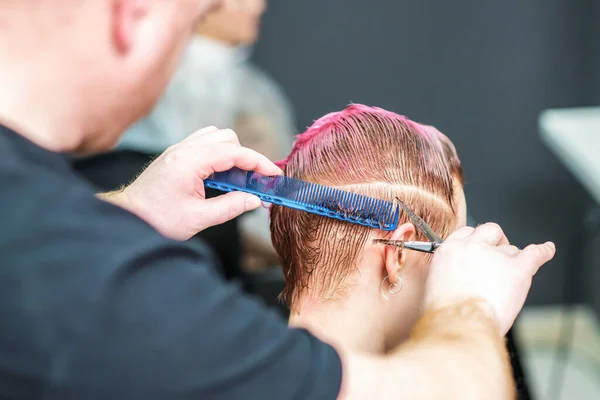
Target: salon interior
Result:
[[515, 85]]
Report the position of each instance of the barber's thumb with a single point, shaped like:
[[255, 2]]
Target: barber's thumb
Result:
[[220, 209], [536, 255]]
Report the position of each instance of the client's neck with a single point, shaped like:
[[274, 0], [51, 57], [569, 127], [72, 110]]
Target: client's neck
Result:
[[352, 322]]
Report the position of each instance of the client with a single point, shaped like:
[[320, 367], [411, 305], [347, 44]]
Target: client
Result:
[[338, 282]]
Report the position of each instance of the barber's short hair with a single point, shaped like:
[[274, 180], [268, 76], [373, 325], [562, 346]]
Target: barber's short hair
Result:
[[370, 151]]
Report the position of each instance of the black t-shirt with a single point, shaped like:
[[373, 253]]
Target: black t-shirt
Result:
[[95, 304]]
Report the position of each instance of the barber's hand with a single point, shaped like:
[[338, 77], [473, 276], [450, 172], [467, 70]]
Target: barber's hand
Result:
[[480, 263], [170, 195]]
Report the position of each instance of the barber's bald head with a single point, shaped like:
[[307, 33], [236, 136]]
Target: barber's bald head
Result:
[[117, 54]]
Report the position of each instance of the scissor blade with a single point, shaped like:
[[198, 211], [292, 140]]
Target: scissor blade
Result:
[[420, 224], [423, 247]]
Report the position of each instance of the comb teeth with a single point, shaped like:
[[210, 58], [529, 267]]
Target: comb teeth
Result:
[[310, 197]]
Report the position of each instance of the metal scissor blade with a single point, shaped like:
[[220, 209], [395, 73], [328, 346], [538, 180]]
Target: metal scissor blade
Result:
[[420, 224], [423, 247]]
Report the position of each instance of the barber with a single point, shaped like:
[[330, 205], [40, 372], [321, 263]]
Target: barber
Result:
[[100, 300]]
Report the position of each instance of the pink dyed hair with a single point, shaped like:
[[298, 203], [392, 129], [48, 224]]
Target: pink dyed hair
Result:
[[370, 151]]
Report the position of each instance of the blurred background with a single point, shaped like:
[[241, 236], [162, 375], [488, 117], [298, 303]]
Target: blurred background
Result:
[[484, 73]]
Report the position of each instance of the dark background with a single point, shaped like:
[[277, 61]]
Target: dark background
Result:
[[480, 71]]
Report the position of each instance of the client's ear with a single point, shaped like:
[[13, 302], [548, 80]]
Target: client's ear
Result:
[[395, 257], [126, 15]]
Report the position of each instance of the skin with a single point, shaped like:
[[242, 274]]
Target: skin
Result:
[[102, 64], [362, 319], [235, 23], [456, 349]]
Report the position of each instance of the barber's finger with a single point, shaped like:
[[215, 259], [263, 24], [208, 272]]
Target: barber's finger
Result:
[[223, 156], [509, 249], [536, 255], [461, 233], [214, 136], [203, 131], [220, 209], [490, 233]]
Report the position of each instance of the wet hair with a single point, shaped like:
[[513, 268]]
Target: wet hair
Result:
[[370, 151]]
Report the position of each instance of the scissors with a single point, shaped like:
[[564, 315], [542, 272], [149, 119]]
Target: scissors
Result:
[[424, 247]]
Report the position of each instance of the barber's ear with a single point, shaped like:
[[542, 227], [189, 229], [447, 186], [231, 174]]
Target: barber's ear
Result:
[[126, 15], [395, 258]]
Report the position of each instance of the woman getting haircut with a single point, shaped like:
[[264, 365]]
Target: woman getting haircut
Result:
[[339, 282]]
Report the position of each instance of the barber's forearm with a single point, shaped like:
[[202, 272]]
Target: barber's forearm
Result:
[[120, 199], [117, 198], [461, 353], [454, 352]]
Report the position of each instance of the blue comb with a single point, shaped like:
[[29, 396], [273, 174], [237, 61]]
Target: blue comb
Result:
[[310, 197]]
